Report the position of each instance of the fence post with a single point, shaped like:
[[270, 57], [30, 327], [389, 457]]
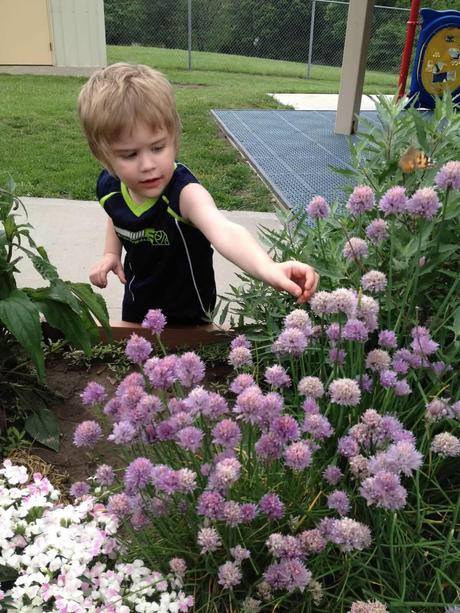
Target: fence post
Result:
[[189, 33], [312, 31]]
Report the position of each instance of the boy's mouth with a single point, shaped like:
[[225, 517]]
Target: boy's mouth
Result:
[[150, 182]]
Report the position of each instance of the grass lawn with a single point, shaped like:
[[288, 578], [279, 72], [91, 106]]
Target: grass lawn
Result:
[[45, 152]]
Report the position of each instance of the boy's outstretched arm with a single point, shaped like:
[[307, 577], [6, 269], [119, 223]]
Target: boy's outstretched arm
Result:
[[237, 244], [110, 261]]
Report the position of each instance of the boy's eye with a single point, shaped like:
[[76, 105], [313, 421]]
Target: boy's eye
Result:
[[158, 148], [128, 156]]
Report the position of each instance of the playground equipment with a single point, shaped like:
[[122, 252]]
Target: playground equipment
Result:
[[436, 67]]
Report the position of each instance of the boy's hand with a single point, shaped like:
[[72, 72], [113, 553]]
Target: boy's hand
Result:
[[109, 262], [297, 278]]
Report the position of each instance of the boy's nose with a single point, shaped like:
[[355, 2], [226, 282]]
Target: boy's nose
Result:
[[147, 161]]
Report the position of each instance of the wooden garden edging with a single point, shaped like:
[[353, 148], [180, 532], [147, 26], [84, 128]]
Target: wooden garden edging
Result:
[[172, 336]]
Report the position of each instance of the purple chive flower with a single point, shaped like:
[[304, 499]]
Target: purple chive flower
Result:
[[388, 379], [338, 501], [93, 394], [422, 342], [209, 540], [312, 541], [378, 360], [271, 407], [401, 457], [229, 575], [311, 387], [154, 321], [241, 382], [271, 506], [317, 426], [87, 434], [239, 553], [365, 382], [240, 341], [455, 409], [291, 341], [361, 200], [424, 203], [310, 406], [402, 388], [248, 512], [165, 479], [178, 566], [161, 372], [138, 349], [355, 330], [79, 489], [355, 248], [345, 392], [138, 474], [384, 490], [288, 574], [190, 369], [439, 367], [240, 356], [104, 475], [190, 438], [320, 303], [226, 433], [358, 466], [298, 455], [210, 504], [284, 546], [337, 356], [448, 176], [231, 513], [286, 428], [249, 403], [334, 332], [123, 432], [317, 208], [226, 472], [374, 606], [119, 505], [347, 446], [186, 480], [377, 231], [394, 201], [298, 318], [446, 445], [276, 376], [332, 474], [387, 339], [349, 535], [269, 447], [343, 300], [374, 281]]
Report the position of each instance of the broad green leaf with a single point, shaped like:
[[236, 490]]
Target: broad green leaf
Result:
[[7, 574], [22, 318], [94, 302], [60, 292], [43, 427], [61, 316]]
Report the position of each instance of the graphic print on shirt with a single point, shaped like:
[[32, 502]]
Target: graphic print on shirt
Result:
[[149, 235]]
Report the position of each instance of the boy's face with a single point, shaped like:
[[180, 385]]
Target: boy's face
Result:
[[144, 160]]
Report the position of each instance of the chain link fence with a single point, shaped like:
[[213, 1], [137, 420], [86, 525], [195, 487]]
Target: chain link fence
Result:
[[306, 32]]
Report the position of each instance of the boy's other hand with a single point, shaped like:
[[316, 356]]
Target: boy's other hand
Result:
[[109, 262], [296, 278]]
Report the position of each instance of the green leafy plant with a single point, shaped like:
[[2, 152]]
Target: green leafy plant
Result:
[[421, 256], [72, 308]]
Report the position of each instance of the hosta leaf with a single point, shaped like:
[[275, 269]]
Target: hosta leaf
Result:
[[43, 427], [61, 316], [22, 318]]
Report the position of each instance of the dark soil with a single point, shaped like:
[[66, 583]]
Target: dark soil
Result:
[[68, 381]]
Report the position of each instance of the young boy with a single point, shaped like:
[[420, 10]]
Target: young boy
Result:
[[157, 209]]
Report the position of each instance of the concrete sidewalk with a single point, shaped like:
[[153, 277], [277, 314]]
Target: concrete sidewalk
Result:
[[73, 232]]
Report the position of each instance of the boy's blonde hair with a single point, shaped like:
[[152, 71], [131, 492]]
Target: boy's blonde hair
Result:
[[116, 98]]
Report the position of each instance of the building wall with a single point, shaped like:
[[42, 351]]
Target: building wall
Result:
[[78, 32], [25, 36]]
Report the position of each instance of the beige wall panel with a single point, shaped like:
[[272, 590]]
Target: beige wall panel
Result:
[[25, 33], [78, 32]]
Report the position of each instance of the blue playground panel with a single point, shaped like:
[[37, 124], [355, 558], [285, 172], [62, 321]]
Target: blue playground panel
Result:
[[291, 150]]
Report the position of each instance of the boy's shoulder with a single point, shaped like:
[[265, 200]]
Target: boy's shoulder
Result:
[[106, 184]]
